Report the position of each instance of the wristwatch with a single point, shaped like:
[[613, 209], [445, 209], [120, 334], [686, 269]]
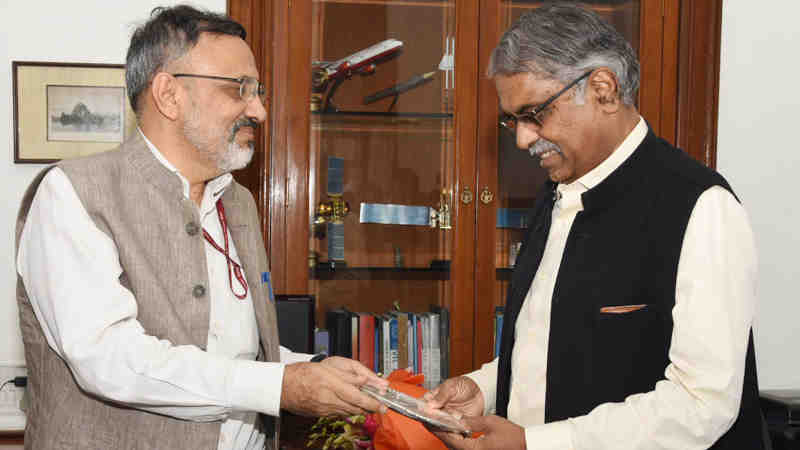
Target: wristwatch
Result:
[[318, 357]]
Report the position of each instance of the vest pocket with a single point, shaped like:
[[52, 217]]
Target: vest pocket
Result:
[[629, 350]]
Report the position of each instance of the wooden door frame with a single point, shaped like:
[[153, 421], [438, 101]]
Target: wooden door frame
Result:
[[277, 175], [689, 48], [697, 107]]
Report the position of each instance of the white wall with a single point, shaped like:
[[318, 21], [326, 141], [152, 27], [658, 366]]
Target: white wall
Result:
[[758, 154], [85, 31]]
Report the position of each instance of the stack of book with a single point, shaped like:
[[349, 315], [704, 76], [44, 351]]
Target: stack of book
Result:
[[499, 312], [392, 340]]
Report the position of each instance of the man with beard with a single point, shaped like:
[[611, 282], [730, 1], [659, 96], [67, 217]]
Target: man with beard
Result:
[[143, 283], [628, 318]]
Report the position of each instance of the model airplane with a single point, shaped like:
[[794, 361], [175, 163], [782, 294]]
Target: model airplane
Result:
[[362, 60]]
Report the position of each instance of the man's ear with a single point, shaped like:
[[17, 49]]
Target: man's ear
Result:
[[164, 92], [604, 88]]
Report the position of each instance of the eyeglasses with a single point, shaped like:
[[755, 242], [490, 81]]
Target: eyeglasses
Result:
[[249, 87], [510, 121]]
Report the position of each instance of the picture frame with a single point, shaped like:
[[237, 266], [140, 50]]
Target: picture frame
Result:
[[66, 110]]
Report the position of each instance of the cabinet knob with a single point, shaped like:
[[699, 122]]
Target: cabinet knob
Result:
[[466, 196], [486, 195]]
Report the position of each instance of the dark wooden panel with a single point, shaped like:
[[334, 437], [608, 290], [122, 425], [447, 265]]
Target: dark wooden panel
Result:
[[297, 145], [255, 15], [651, 59], [698, 92], [280, 21], [462, 301], [487, 161], [12, 438], [669, 72]]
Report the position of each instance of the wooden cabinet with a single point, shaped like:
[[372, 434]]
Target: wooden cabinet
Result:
[[437, 147]]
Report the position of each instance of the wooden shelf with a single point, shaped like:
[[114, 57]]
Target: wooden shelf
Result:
[[325, 272], [376, 122], [433, 3], [388, 114]]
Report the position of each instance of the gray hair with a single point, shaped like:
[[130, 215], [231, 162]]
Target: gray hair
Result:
[[562, 42], [169, 34]]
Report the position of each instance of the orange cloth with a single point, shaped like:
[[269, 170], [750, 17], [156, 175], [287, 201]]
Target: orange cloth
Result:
[[398, 432]]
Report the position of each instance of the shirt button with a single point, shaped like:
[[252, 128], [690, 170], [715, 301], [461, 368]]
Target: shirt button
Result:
[[192, 228], [198, 291]]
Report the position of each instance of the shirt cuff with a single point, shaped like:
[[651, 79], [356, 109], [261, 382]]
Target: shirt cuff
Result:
[[257, 386], [487, 382], [290, 357], [551, 436]]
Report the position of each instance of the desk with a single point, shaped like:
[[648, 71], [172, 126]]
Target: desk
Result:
[[781, 409], [294, 431], [11, 440]]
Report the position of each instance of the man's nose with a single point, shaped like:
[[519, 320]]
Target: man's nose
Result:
[[527, 135], [256, 110]]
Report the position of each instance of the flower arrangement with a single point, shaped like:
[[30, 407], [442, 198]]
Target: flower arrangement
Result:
[[348, 433]]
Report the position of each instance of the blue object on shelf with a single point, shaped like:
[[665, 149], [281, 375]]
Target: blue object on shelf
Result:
[[512, 217]]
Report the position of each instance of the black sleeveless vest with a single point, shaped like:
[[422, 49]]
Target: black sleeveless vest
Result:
[[623, 249]]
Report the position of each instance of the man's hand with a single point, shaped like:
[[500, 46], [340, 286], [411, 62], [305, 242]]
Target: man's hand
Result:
[[459, 395], [498, 434], [360, 371], [328, 388]]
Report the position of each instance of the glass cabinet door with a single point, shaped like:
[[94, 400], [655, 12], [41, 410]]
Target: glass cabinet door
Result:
[[519, 176], [381, 167]]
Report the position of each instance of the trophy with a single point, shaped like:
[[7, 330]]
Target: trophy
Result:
[[332, 212]]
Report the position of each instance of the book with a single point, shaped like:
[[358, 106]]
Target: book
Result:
[[366, 340], [378, 343], [418, 344], [338, 323], [412, 347], [321, 341], [402, 339], [393, 344], [435, 354], [410, 337], [499, 311], [385, 346], [354, 352], [425, 324], [444, 339]]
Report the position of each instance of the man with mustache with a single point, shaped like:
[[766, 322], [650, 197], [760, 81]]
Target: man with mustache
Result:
[[628, 318], [143, 284]]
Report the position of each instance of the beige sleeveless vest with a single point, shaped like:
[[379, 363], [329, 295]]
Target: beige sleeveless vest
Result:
[[140, 205]]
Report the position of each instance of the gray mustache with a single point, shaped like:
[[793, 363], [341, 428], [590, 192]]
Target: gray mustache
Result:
[[244, 123]]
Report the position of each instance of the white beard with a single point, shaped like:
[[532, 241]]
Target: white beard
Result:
[[221, 147], [235, 157]]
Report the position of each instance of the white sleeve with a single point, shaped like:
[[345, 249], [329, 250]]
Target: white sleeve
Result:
[[289, 357], [714, 307], [70, 270], [486, 379]]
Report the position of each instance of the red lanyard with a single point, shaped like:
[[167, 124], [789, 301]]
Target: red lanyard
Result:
[[237, 269]]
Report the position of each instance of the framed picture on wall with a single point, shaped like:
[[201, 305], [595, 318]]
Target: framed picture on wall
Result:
[[64, 110]]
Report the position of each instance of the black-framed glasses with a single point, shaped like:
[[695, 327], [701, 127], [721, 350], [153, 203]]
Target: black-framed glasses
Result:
[[510, 121], [249, 87]]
